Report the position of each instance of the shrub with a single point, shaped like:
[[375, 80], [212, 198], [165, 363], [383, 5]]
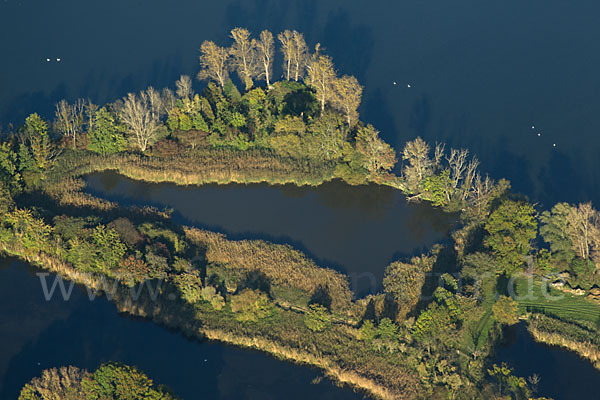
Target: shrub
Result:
[[251, 305], [317, 319]]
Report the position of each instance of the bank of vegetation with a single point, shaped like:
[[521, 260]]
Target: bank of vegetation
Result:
[[110, 381], [428, 334]]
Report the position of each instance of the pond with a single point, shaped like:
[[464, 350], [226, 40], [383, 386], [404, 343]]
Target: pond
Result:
[[36, 334], [358, 230]]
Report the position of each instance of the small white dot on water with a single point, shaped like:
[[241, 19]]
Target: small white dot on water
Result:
[[395, 83], [532, 127], [539, 134], [47, 60], [408, 85], [553, 144]]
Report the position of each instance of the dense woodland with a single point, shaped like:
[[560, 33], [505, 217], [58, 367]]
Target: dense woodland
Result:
[[421, 336]]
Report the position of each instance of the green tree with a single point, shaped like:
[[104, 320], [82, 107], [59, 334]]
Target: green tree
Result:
[[121, 382], [505, 311], [438, 188], [507, 382], [317, 319], [108, 136], [251, 305], [511, 228], [40, 144], [368, 331], [387, 329], [9, 173], [554, 228]]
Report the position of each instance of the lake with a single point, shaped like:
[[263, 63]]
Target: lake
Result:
[[481, 74], [36, 334]]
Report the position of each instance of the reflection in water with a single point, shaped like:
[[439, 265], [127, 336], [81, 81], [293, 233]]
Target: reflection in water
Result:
[[358, 230], [35, 335], [563, 374]]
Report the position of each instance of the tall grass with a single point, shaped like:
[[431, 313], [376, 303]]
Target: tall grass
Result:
[[581, 339], [282, 265], [201, 166]]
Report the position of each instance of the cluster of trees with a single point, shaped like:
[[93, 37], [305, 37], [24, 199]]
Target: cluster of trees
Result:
[[448, 179], [110, 381], [311, 114], [253, 59]]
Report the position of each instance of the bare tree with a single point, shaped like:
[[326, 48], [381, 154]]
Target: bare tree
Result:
[[348, 93], [90, 112], [457, 161], [419, 166], [440, 150], [169, 100], [583, 229], [243, 54], [265, 50], [184, 87], [321, 76], [70, 118], [214, 61], [470, 174], [299, 55], [287, 48], [137, 114]]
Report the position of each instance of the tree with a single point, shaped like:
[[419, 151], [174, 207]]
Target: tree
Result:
[[419, 165], [583, 230], [457, 161], [107, 137], [42, 148], [287, 48], [376, 154], [243, 55], [511, 228], [508, 382], [317, 318], [321, 75], [184, 87], [404, 282], [299, 55], [70, 118], [9, 174], [55, 384], [265, 49], [214, 62], [142, 121], [251, 305], [348, 93], [121, 382], [90, 111], [554, 230], [505, 311]]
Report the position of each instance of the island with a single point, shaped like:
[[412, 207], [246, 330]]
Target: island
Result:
[[428, 334]]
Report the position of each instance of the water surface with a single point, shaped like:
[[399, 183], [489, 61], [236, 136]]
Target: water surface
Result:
[[564, 375], [356, 229], [481, 73], [36, 334]]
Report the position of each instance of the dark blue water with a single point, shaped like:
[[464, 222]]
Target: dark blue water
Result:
[[481, 73], [36, 334], [358, 230], [564, 375]]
